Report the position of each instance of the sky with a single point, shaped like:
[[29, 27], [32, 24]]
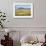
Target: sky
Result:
[[23, 6]]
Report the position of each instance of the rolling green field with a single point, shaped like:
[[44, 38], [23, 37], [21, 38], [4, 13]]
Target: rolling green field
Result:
[[23, 12]]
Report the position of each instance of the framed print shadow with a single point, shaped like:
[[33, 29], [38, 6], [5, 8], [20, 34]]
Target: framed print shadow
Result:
[[22, 10]]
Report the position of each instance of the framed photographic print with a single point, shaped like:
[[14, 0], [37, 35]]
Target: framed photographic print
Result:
[[22, 10]]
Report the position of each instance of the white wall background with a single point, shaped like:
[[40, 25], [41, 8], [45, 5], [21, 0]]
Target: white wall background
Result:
[[39, 14], [37, 23]]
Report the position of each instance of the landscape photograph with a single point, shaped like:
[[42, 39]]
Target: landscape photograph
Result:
[[23, 10]]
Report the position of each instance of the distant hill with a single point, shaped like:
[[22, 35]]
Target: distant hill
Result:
[[24, 8], [21, 8]]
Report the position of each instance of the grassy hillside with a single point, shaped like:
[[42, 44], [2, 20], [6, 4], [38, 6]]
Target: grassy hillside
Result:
[[23, 12]]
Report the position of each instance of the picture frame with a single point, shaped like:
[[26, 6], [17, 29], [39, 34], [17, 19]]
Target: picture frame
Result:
[[22, 10]]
